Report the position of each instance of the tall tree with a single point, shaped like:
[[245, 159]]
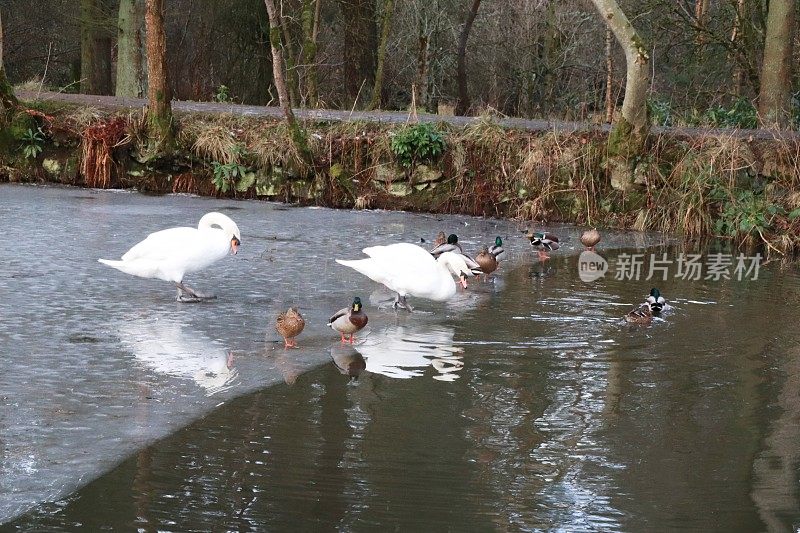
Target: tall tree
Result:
[[609, 76], [130, 49], [297, 133], [701, 19], [9, 101], [427, 16], [95, 48], [774, 97], [360, 46], [310, 19], [629, 133], [386, 25], [463, 103], [292, 78], [159, 93]]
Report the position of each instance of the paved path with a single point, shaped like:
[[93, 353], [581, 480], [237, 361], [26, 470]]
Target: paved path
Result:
[[394, 117]]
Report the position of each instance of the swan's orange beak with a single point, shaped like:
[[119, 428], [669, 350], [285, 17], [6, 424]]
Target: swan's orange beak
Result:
[[235, 245], [463, 279]]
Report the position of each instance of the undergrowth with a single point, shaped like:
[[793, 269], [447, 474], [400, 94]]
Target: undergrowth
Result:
[[738, 189]]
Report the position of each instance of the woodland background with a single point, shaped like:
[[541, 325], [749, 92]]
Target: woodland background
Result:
[[525, 58]]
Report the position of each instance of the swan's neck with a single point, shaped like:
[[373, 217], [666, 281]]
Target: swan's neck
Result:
[[223, 222]]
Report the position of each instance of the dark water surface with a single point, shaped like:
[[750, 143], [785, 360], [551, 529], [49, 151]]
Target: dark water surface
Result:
[[523, 404]]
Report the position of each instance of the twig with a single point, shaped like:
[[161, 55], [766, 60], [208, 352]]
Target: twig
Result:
[[41, 82], [355, 103]]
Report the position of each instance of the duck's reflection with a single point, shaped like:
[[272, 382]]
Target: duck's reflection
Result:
[[407, 351], [170, 348], [348, 360]]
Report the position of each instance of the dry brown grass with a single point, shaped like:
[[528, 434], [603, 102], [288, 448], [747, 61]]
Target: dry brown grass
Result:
[[98, 143]]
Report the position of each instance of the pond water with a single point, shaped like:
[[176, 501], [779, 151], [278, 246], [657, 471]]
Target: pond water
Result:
[[525, 403]]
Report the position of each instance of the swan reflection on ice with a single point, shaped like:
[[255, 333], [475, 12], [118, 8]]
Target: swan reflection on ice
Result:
[[406, 351], [169, 348]]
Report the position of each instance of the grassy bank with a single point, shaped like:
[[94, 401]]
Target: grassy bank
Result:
[[697, 186]]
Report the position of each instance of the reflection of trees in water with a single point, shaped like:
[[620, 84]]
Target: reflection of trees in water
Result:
[[775, 468], [536, 446], [243, 468], [533, 427]]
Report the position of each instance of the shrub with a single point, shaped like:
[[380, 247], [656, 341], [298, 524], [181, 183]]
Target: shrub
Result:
[[418, 143]]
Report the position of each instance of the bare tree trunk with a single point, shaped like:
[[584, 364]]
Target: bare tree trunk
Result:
[[736, 38], [701, 16], [609, 76], [310, 18], [463, 104], [386, 24], [7, 97], [421, 79], [549, 52], [292, 79], [629, 133], [159, 93], [774, 97], [296, 132], [360, 45], [95, 49], [130, 63]]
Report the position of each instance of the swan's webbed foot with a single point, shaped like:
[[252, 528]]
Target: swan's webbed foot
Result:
[[400, 302], [188, 295]]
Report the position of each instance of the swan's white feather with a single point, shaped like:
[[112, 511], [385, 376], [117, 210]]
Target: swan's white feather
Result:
[[171, 253], [406, 269]]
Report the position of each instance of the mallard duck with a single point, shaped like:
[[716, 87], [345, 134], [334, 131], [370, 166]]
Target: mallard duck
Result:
[[408, 269], [640, 315], [656, 301], [441, 238], [349, 320], [171, 253], [590, 238], [544, 242], [289, 325], [497, 249], [487, 261], [450, 246]]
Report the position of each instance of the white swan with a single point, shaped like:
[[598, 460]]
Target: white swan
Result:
[[171, 253], [410, 270]]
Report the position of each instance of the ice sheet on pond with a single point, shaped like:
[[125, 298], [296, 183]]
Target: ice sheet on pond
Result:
[[97, 364]]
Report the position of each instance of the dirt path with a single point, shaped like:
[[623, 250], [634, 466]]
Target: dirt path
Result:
[[391, 117]]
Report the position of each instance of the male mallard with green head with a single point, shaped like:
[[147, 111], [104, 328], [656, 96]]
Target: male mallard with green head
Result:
[[349, 320], [289, 325], [497, 249], [656, 301], [450, 246], [543, 242]]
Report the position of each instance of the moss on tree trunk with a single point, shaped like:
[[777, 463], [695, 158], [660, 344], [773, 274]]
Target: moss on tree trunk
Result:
[[386, 24], [628, 135], [159, 95]]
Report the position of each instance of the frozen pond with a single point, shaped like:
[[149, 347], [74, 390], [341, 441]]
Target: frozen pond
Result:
[[522, 404]]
